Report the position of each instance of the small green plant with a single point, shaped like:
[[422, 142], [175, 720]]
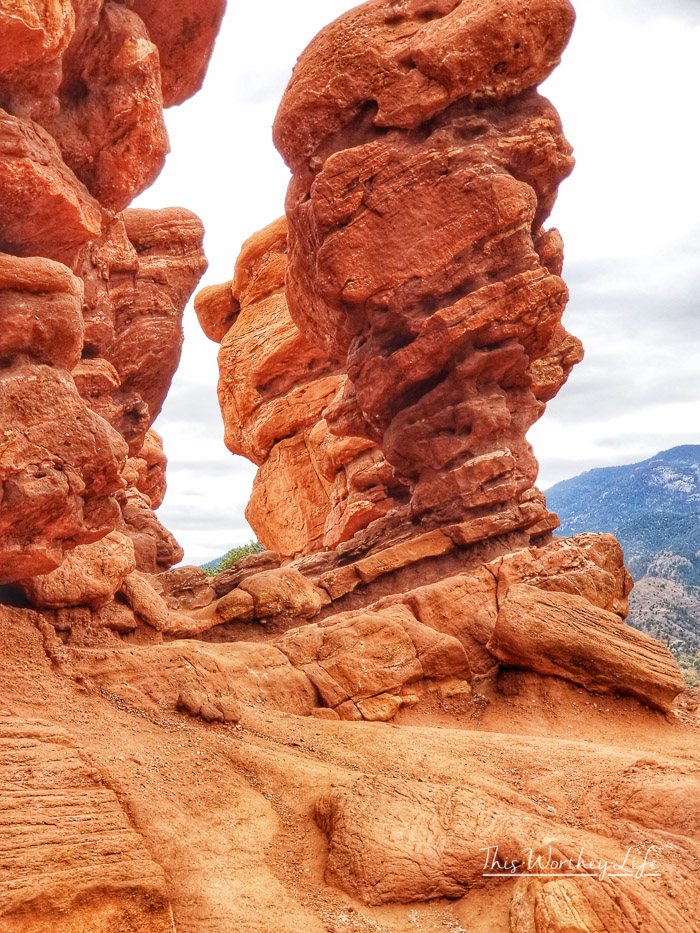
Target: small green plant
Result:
[[233, 556], [690, 668]]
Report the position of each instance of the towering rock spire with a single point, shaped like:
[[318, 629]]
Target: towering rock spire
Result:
[[425, 166], [91, 295]]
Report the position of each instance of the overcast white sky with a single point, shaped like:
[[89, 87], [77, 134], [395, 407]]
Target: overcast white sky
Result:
[[627, 93]]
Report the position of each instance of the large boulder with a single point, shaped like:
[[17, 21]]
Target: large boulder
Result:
[[186, 588], [392, 843], [358, 655], [90, 575], [566, 636], [282, 592]]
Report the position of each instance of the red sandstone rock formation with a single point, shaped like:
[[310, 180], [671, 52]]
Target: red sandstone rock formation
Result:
[[313, 489], [97, 75], [247, 774], [60, 463], [415, 301], [82, 844], [90, 302], [427, 306], [424, 170]]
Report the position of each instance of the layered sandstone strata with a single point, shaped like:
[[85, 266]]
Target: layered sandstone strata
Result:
[[79, 833], [90, 300]]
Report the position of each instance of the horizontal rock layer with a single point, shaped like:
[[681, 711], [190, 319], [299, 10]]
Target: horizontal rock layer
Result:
[[71, 859]]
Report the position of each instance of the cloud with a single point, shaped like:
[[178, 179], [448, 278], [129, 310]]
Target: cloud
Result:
[[653, 10]]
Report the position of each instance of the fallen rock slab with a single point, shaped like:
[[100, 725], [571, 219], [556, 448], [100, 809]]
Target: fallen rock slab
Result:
[[564, 635]]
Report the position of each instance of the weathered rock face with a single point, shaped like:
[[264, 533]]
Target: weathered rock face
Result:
[[184, 37], [314, 489], [97, 75], [155, 548], [60, 464], [556, 610], [138, 278], [90, 301], [424, 170]]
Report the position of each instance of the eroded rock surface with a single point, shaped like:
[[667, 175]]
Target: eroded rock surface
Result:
[[417, 252], [97, 75], [61, 824], [91, 300], [314, 489], [385, 350]]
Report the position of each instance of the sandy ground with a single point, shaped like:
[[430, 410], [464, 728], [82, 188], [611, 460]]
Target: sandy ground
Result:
[[227, 810]]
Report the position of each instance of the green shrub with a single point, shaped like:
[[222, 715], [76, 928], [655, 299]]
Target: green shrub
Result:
[[690, 668], [232, 557]]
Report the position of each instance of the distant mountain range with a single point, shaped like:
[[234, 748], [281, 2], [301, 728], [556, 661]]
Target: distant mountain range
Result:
[[653, 508]]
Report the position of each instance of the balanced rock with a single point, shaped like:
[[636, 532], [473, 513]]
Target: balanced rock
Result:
[[424, 170]]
